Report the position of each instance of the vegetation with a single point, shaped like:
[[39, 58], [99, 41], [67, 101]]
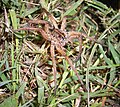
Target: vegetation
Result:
[[40, 71]]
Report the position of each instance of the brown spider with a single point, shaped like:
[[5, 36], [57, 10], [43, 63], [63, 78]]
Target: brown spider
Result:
[[58, 38]]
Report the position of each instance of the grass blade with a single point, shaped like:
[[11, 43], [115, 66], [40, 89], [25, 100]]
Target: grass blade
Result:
[[73, 7]]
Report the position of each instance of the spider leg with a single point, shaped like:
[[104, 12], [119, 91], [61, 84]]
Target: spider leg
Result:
[[80, 49], [63, 53], [79, 36], [74, 35], [39, 30], [63, 25], [51, 17], [52, 51]]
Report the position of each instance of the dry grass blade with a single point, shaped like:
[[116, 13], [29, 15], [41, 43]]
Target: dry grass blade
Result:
[[52, 51]]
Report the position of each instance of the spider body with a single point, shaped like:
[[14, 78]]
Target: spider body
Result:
[[58, 38]]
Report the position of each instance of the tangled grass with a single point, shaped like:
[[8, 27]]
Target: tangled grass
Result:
[[26, 64]]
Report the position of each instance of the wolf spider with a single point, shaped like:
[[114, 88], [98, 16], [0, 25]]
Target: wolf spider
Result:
[[58, 38]]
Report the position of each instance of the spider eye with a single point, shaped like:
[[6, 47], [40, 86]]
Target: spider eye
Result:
[[59, 26]]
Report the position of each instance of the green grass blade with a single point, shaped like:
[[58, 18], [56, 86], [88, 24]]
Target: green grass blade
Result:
[[103, 67], [5, 82], [73, 7], [40, 81], [107, 60], [65, 74], [114, 53], [96, 78], [66, 99], [98, 5], [13, 18], [104, 34], [112, 75], [87, 72], [30, 11], [41, 96], [15, 25], [28, 104], [21, 89], [10, 102]]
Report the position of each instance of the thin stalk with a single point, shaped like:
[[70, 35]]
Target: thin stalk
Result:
[[14, 24], [87, 73]]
